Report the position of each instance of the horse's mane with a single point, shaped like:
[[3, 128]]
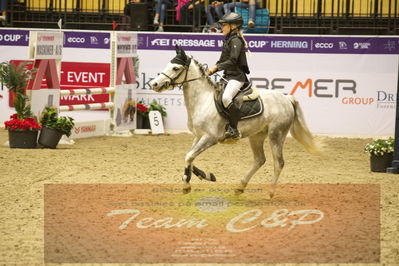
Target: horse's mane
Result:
[[204, 74]]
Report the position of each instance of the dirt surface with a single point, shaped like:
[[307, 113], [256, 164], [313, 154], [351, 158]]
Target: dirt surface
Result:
[[160, 159]]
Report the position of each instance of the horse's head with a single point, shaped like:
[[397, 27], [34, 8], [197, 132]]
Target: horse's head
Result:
[[174, 74]]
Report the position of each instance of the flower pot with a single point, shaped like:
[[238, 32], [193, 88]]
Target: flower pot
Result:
[[22, 139], [380, 163], [143, 122], [49, 137]]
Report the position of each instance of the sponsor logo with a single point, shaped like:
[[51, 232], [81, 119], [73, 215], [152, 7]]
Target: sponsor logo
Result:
[[106, 40], [160, 42], [321, 88], [93, 40], [343, 45], [386, 100], [361, 45], [10, 37], [124, 39], [358, 100], [85, 129], [45, 38], [324, 45], [76, 40], [344, 90], [390, 45], [289, 44]]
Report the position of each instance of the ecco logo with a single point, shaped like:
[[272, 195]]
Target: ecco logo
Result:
[[324, 45], [76, 40]]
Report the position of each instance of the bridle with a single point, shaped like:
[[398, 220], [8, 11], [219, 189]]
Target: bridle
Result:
[[173, 80]]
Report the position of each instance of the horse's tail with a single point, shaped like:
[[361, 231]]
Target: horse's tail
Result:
[[299, 130]]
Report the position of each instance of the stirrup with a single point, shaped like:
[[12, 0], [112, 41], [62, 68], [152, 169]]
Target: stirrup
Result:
[[232, 133]]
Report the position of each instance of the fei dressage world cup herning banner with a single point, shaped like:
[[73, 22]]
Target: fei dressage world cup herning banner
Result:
[[345, 84]]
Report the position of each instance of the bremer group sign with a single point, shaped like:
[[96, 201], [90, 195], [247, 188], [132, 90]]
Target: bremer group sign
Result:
[[345, 84]]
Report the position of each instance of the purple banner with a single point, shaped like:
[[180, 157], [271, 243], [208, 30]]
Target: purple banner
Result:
[[96, 40], [99, 40], [274, 44], [14, 37], [209, 42]]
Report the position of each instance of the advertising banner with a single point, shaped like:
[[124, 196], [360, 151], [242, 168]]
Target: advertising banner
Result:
[[46, 45], [345, 84]]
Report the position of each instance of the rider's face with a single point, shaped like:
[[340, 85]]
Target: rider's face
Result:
[[225, 29]]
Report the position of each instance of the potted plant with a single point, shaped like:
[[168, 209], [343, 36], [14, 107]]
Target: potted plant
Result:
[[142, 116], [381, 154], [22, 126], [143, 110], [155, 106], [53, 127]]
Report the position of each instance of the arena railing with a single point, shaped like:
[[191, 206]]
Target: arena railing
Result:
[[286, 16]]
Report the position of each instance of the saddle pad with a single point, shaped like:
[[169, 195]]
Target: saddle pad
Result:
[[251, 109]]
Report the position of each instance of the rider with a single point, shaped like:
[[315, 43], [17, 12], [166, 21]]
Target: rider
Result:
[[233, 62]]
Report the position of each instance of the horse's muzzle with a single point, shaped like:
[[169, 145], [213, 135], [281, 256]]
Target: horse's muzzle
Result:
[[158, 87], [153, 85]]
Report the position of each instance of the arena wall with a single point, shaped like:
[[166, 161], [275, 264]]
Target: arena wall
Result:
[[345, 84]]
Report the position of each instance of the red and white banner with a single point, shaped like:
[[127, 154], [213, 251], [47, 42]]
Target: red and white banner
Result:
[[78, 75]]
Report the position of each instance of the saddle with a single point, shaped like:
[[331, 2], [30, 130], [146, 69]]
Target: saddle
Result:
[[248, 101]]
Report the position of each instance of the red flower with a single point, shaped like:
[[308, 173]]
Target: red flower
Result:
[[25, 124], [141, 108]]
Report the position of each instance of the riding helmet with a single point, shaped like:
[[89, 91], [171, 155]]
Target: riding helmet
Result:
[[232, 18]]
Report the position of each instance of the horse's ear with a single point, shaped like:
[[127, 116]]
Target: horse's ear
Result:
[[178, 49], [183, 53]]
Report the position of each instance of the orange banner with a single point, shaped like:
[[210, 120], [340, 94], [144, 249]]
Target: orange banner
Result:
[[140, 223]]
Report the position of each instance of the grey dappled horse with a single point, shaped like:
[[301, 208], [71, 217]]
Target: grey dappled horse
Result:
[[281, 114]]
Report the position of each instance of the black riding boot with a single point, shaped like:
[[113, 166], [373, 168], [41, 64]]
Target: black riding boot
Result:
[[234, 115]]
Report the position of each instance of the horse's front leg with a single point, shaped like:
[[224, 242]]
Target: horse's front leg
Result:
[[256, 142], [203, 143]]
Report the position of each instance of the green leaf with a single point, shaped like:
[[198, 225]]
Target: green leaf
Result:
[[63, 124], [155, 106]]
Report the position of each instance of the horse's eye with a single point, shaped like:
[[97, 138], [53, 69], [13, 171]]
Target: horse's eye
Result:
[[175, 68]]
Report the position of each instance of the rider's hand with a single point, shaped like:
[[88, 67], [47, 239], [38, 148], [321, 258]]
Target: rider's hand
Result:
[[212, 70]]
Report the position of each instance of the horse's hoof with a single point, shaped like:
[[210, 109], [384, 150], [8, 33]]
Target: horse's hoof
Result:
[[239, 191], [212, 177], [272, 191], [186, 190]]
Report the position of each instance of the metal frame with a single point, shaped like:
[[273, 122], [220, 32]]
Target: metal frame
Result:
[[287, 16]]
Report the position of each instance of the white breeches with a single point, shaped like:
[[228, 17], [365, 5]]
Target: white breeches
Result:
[[232, 88]]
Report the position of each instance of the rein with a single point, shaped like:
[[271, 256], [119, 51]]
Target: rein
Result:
[[180, 85]]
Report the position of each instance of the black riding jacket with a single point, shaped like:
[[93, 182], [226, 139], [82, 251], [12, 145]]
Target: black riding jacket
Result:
[[233, 59]]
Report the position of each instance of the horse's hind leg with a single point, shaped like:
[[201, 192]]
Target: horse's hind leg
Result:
[[256, 142], [201, 145], [276, 139]]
